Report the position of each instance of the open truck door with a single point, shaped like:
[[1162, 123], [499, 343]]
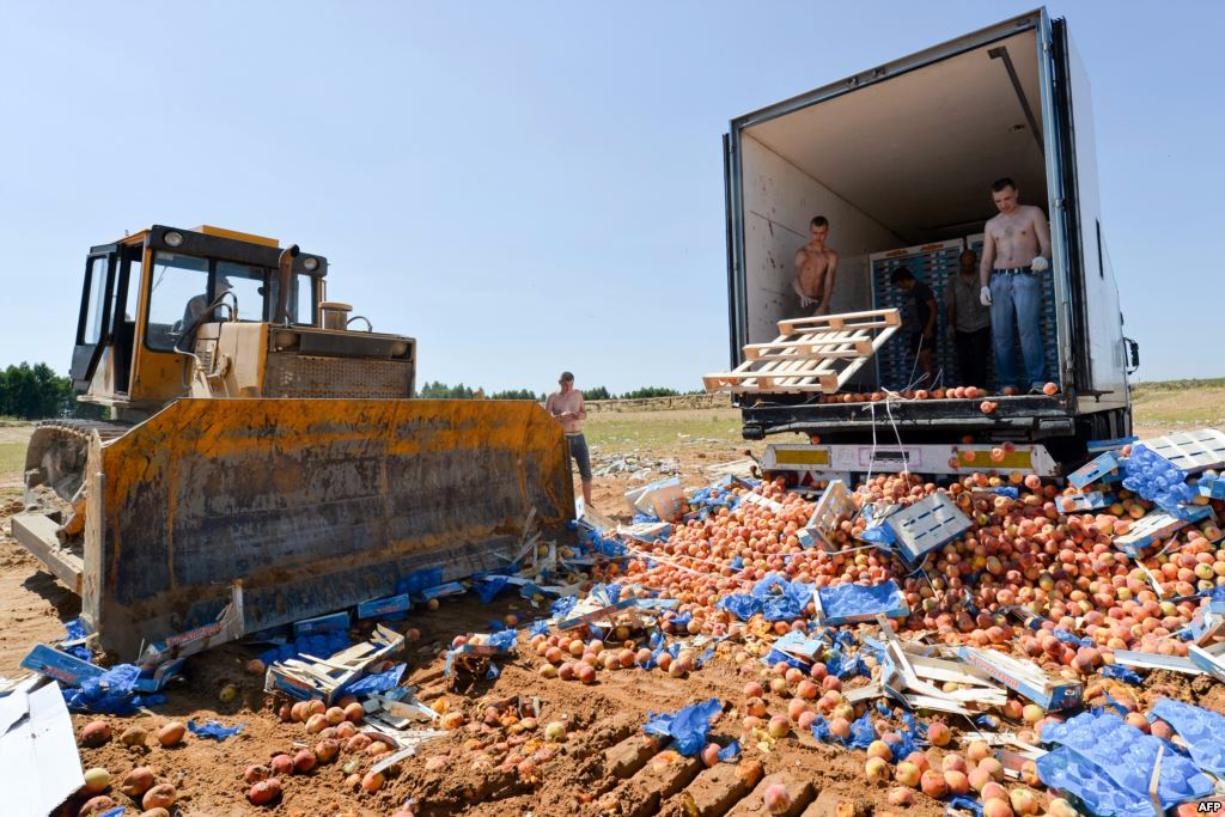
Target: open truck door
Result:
[[1100, 352]]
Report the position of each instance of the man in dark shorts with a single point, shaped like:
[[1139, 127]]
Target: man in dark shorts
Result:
[[568, 407], [969, 322], [920, 320]]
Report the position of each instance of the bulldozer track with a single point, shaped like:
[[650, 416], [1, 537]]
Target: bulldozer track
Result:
[[56, 453]]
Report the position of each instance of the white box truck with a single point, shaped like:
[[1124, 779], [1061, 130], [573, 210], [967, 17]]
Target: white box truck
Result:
[[903, 156]]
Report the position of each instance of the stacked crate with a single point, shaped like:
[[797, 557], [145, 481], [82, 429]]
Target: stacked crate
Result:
[[1050, 335], [934, 264]]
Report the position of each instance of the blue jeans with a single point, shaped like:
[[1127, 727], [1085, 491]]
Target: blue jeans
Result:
[[1016, 309]]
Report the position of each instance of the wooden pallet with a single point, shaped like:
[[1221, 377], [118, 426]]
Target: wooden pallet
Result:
[[815, 354]]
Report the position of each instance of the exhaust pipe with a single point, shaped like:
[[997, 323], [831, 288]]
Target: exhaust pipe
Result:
[[285, 281]]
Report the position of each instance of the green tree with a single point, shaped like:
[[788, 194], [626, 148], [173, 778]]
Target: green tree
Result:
[[514, 394], [597, 393], [650, 391], [440, 389], [37, 392]]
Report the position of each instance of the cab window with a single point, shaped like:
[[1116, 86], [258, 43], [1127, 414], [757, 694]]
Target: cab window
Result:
[[91, 327], [247, 283], [301, 298], [178, 296]]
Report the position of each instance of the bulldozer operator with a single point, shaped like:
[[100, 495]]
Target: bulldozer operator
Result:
[[197, 309]]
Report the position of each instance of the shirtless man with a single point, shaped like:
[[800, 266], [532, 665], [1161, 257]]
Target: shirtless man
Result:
[[568, 407], [1016, 251], [815, 268]]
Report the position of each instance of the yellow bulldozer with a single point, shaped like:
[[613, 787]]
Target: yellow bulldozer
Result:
[[263, 441]]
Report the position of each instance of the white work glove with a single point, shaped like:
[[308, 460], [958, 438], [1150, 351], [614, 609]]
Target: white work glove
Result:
[[1039, 264], [806, 302], [984, 296]]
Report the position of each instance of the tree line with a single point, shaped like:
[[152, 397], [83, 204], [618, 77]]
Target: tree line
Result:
[[460, 391], [37, 392]]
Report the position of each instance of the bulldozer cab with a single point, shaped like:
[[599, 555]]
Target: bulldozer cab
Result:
[[145, 298]]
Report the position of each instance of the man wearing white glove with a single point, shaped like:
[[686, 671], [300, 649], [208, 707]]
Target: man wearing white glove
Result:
[[1016, 247], [816, 265]]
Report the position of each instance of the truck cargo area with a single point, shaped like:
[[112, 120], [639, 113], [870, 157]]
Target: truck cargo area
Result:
[[900, 159], [902, 169]]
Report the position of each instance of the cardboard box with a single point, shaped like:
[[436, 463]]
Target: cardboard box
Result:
[[1025, 678]]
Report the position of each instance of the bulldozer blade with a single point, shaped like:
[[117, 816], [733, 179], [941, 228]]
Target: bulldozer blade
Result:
[[312, 505]]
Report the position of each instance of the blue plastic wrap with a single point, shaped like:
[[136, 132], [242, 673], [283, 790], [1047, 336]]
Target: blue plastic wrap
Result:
[[1106, 764], [539, 627], [774, 596], [1069, 638], [611, 547], [730, 752], [117, 811], [113, 692], [213, 729], [845, 665], [909, 738], [376, 683], [862, 731], [1122, 673], [687, 726], [562, 607], [1204, 732], [487, 587], [75, 631], [860, 602], [742, 605], [965, 801]]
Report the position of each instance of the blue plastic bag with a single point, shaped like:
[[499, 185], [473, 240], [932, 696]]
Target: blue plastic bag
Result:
[[75, 630], [1122, 673], [688, 726], [213, 729], [113, 692], [487, 587], [730, 752], [377, 682], [857, 602]]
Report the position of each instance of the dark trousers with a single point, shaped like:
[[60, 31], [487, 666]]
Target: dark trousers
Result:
[[972, 350]]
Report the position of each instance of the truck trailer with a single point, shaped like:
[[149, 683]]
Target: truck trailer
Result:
[[900, 159]]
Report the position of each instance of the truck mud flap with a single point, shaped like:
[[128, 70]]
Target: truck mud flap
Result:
[[313, 505]]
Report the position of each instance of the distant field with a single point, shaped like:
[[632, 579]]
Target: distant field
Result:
[[663, 432], [12, 460], [1175, 403]]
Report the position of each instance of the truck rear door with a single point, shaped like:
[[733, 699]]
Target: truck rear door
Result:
[[1098, 346]]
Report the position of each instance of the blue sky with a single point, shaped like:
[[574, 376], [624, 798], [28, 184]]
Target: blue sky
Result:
[[527, 187]]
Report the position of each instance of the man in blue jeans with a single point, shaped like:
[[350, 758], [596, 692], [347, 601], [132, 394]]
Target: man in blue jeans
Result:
[[1016, 251]]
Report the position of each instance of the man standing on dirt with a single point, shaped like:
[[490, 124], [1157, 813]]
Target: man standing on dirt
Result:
[[815, 268], [1016, 251], [567, 406], [969, 322]]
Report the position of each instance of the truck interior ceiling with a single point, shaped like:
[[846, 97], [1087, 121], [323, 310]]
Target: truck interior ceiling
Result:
[[902, 168]]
